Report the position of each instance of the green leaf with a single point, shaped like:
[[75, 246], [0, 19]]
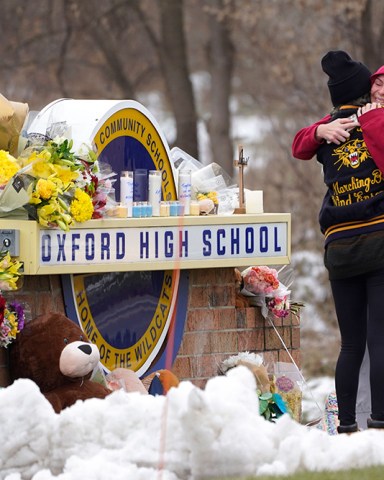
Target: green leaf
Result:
[[263, 406], [266, 396]]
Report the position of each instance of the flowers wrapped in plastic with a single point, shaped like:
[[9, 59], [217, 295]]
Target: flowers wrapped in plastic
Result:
[[261, 284], [12, 320], [58, 187], [12, 195], [53, 175], [288, 383]]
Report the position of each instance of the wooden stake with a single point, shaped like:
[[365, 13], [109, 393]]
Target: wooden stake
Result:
[[241, 163]]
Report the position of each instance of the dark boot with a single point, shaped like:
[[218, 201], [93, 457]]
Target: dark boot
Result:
[[347, 428], [375, 423]]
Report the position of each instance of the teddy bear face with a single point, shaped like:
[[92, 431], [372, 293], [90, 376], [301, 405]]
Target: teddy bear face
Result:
[[78, 359], [52, 350]]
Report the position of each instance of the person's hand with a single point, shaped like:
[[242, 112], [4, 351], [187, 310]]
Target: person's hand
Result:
[[367, 107], [336, 131]]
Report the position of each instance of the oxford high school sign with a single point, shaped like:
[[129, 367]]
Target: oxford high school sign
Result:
[[181, 243]]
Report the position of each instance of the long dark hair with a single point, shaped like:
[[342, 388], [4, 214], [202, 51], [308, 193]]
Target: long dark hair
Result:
[[358, 102]]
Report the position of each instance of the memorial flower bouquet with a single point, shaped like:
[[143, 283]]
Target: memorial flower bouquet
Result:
[[60, 184], [262, 284], [12, 320]]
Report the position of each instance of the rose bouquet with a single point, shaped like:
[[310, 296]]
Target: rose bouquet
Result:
[[262, 285], [12, 320], [262, 280]]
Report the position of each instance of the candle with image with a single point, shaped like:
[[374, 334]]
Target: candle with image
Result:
[[184, 190], [126, 191]]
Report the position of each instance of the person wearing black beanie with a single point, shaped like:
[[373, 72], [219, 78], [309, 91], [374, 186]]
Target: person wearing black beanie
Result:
[[349, 145], [348, 79]]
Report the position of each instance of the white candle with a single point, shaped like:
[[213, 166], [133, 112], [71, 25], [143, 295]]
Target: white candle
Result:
[[126, 191], [254, 201]]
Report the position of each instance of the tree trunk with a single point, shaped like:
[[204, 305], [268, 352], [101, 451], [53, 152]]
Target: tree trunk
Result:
[[176, 73], [373, 34], [221, 66]]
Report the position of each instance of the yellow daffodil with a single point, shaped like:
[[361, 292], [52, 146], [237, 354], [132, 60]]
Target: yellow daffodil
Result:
[[65, 174], [42, 169], [36, 156]]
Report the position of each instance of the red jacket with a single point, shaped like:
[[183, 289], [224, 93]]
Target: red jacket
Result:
[[305, 145]]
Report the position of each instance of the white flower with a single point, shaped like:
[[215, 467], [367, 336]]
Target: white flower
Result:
[[249, 357]]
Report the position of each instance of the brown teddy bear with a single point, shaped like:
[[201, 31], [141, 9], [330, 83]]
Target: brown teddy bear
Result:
[[56, 354]]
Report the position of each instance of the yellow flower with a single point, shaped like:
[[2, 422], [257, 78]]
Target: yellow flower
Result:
[[42, 156], [53, 214], [42, 168], [8, 167], [211, 195], [9, 272], [11, 317], [46, 189], [65, 174], [81, 206]]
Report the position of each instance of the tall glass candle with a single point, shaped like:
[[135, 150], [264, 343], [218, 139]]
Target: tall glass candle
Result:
[[140, 185], [184, 190], [154, 191], [126, 191]]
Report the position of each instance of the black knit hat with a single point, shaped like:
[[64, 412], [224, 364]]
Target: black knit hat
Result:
[[348, 79]]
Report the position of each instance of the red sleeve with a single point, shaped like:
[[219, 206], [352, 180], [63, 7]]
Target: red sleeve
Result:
[[305, 145], [372, 124]]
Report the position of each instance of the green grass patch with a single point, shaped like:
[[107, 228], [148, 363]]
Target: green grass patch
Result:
[[372, 473]]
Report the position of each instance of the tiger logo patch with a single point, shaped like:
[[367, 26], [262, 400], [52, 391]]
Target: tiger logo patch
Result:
[[351, 154]]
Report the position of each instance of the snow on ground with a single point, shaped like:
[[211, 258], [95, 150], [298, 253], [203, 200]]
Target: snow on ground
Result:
[[189, 434]]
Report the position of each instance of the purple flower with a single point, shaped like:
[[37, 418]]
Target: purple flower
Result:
[[19, 311]]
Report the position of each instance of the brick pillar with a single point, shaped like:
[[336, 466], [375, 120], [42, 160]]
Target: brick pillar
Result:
[[220, 323], [41, 293]]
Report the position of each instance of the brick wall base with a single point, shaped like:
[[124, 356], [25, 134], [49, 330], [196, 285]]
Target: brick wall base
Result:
[[219, 323]]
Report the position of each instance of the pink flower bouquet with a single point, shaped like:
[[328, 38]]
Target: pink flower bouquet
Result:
[[261, 283]]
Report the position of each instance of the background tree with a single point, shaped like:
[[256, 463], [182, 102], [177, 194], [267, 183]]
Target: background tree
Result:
[[221, 72]]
